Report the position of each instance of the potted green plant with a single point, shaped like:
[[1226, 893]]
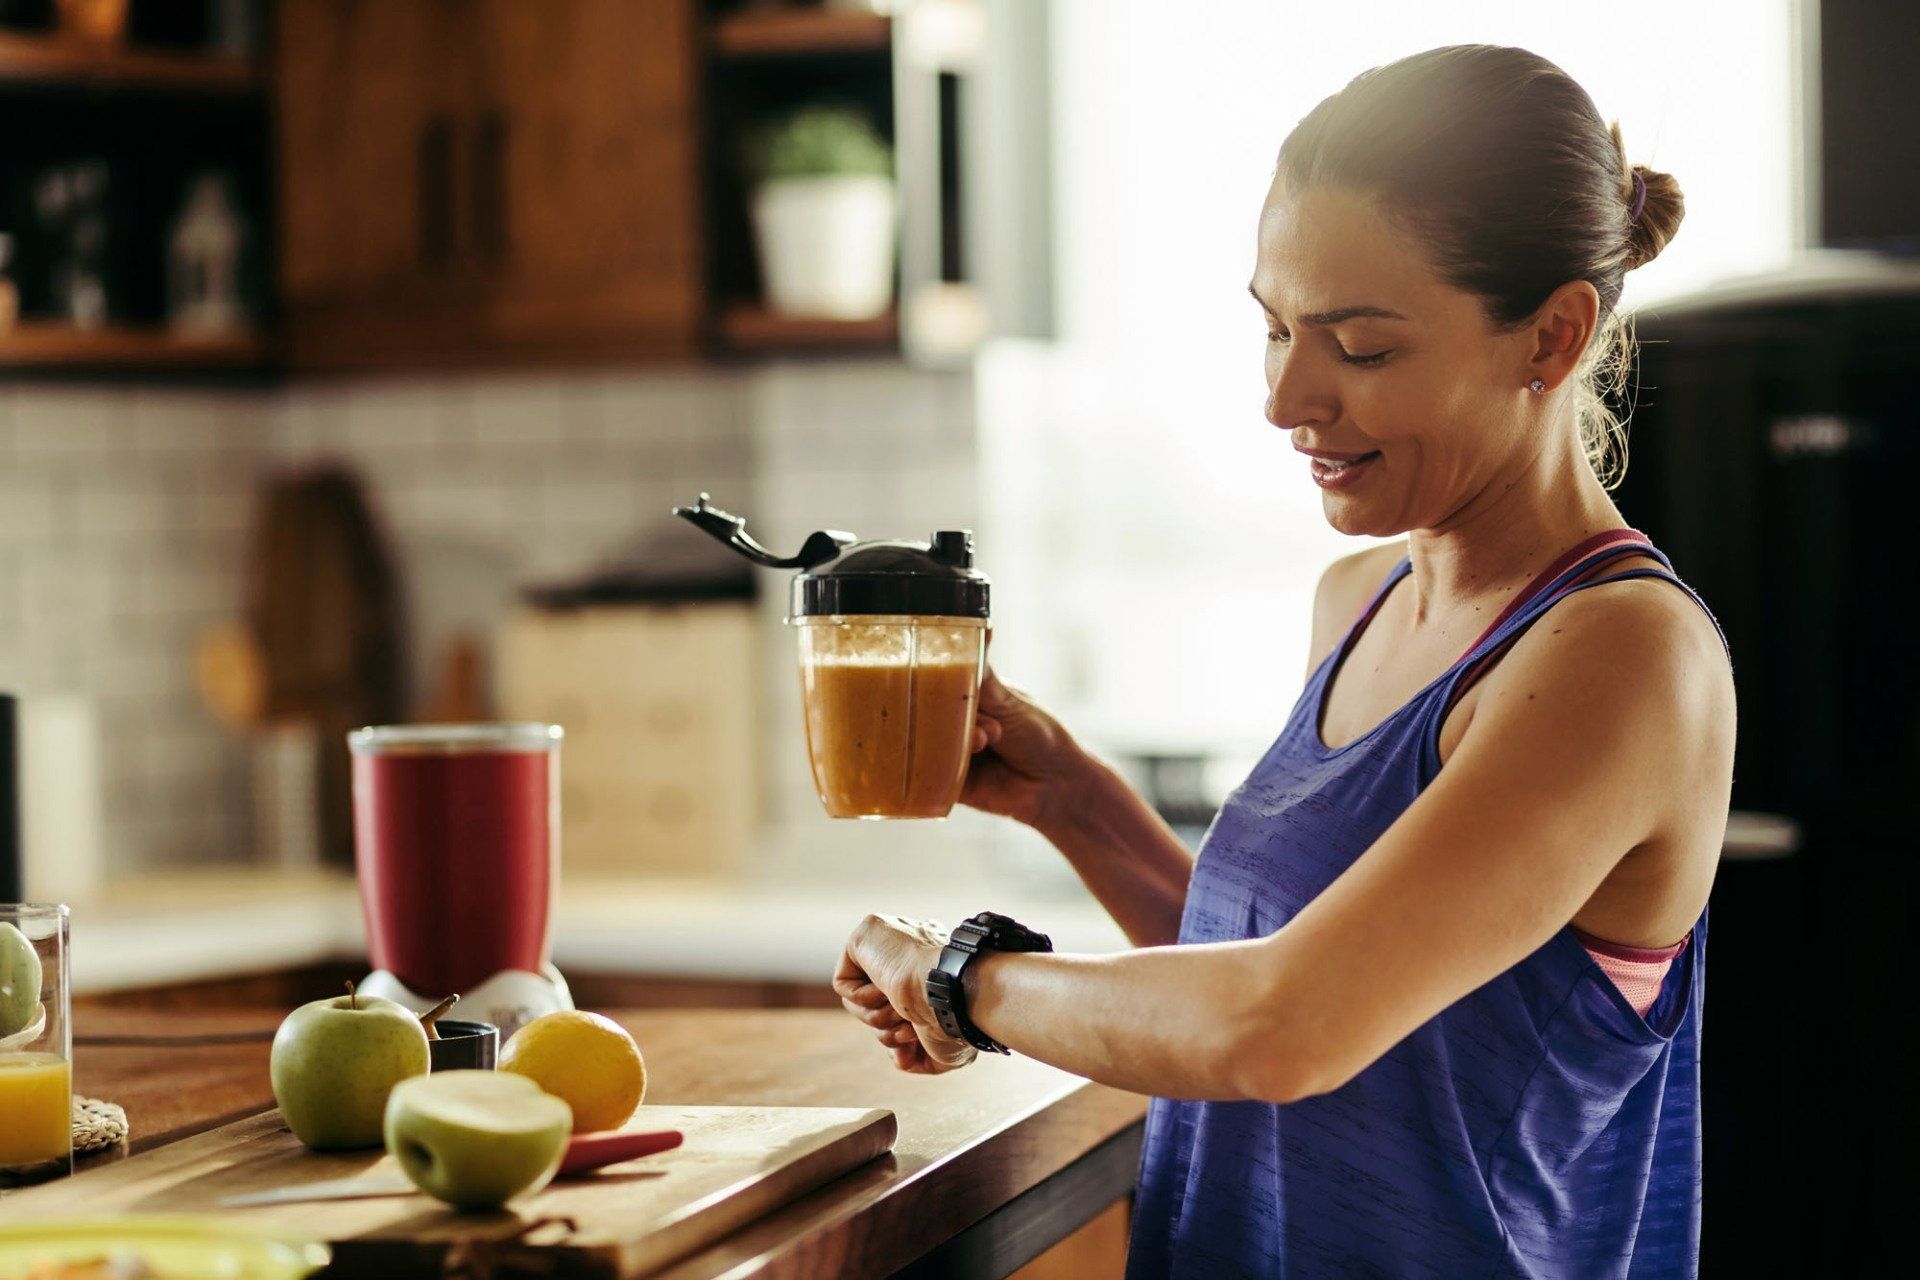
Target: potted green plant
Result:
[[824, 214]]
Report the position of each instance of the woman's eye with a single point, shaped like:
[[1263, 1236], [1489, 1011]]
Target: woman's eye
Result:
[[1347, 357]]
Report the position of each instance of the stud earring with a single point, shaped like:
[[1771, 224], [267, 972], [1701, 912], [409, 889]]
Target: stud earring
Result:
[[1538, 386]]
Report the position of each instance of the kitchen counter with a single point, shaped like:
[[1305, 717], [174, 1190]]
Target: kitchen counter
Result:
[[993, 1164], [192, 926]]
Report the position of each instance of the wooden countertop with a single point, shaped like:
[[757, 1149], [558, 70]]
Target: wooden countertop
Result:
[[993, 1163]]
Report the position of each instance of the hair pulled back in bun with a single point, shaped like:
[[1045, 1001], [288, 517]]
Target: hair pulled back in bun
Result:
[[1500, 164]]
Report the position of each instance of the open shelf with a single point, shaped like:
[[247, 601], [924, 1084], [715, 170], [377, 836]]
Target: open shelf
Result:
[[42, 345], [750, 327], [777, 33], [29, 59]]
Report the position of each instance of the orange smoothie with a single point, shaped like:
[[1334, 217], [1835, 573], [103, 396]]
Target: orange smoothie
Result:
[[36, 1109], [889, 739]]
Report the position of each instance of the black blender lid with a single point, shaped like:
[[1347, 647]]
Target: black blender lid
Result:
[[934, 577], [841, 576]]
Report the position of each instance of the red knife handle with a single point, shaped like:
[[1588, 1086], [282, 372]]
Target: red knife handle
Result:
[[587, 1151]]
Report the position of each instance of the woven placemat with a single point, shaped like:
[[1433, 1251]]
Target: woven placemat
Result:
[[97, 1125]]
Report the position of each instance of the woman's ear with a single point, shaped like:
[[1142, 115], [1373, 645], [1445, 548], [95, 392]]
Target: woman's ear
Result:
[[1559, 333]]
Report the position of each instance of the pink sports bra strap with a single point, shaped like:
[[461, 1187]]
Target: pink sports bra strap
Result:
[[1589, 550], [1479, 666], [1593, 551], [1630, 955]]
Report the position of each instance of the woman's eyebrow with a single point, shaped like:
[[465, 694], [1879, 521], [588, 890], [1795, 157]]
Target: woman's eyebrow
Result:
[[1321, 319]]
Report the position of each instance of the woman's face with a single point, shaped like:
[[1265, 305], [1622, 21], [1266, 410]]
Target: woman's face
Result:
[[1377, 363]]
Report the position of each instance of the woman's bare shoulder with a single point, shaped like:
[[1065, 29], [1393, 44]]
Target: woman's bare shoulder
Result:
[[1345, 587]]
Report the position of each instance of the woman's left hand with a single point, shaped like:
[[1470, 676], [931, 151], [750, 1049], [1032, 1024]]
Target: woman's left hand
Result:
[[882, 981]]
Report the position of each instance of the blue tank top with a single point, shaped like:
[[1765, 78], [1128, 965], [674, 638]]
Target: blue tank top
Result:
[[1538, 1127]]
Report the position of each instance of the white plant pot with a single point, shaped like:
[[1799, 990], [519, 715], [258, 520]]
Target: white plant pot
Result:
[[826, 245]]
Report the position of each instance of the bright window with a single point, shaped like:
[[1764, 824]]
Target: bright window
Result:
[[1159, 540]]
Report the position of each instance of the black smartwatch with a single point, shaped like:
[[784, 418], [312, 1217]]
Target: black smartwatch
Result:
[[984, 932]]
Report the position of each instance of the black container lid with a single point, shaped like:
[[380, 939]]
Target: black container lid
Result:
[[935, 578], [840, 576]]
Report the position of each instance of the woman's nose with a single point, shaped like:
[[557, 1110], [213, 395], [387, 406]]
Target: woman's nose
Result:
[[1293, 399]]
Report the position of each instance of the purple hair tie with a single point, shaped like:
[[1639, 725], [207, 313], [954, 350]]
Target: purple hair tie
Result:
[[1639, 197]]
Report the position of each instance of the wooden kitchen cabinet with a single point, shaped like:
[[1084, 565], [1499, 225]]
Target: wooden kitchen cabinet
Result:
[[370, 94], [469, 181], [595, 243]]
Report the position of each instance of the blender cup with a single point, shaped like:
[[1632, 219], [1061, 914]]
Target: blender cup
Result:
[[457, 846], [893, 642], [889, 706]]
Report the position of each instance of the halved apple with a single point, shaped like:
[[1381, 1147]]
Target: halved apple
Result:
[[476, 1139], [19, 981]]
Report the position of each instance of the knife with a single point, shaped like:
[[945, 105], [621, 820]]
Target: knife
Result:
[[585, 1152], [589, 1151]]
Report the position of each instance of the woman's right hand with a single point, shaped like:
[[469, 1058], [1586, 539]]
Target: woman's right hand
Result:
[[1023, 758]]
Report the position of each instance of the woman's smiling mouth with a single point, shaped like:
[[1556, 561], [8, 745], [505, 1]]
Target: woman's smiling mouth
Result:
[[1338, 470]]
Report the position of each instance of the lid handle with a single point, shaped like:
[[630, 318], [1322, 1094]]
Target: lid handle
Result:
[[821, 546]]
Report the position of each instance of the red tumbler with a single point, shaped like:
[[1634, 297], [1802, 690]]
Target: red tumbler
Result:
[[457, 844]]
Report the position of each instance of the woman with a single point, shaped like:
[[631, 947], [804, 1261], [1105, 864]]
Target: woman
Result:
[[1435, 1007]]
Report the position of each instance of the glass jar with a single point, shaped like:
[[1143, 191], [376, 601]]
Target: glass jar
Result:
[[36, 1045]]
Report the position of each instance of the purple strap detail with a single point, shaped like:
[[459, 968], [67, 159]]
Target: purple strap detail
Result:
[[1479, 667], [1586, 557], [1598, 542], [1639, 197], [1561, 578]]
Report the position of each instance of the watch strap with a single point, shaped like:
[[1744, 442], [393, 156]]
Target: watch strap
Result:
[[946, 989]]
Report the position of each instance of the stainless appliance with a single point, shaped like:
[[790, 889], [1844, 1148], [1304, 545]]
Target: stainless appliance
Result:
[[1775, 453]]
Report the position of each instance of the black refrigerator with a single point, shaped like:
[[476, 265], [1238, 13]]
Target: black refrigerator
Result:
[[1775, 456]]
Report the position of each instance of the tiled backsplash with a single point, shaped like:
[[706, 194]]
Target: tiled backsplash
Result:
[[122, 520], [488, 484], [124, 515]]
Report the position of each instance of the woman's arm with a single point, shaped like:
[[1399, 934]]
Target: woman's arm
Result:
[[1027, 767], [1591, 736], [1124, 852]]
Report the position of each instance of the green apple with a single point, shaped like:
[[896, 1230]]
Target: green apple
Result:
[[477, 1139], [19, 981], [334, 1062]]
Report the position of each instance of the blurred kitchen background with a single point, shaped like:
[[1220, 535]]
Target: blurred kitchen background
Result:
[[352, 353]]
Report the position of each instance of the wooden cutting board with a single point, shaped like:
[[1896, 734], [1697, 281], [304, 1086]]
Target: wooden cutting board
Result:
[[736, 1165]]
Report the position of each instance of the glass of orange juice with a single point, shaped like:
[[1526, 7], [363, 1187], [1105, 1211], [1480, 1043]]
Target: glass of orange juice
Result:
[[36, 1045]]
